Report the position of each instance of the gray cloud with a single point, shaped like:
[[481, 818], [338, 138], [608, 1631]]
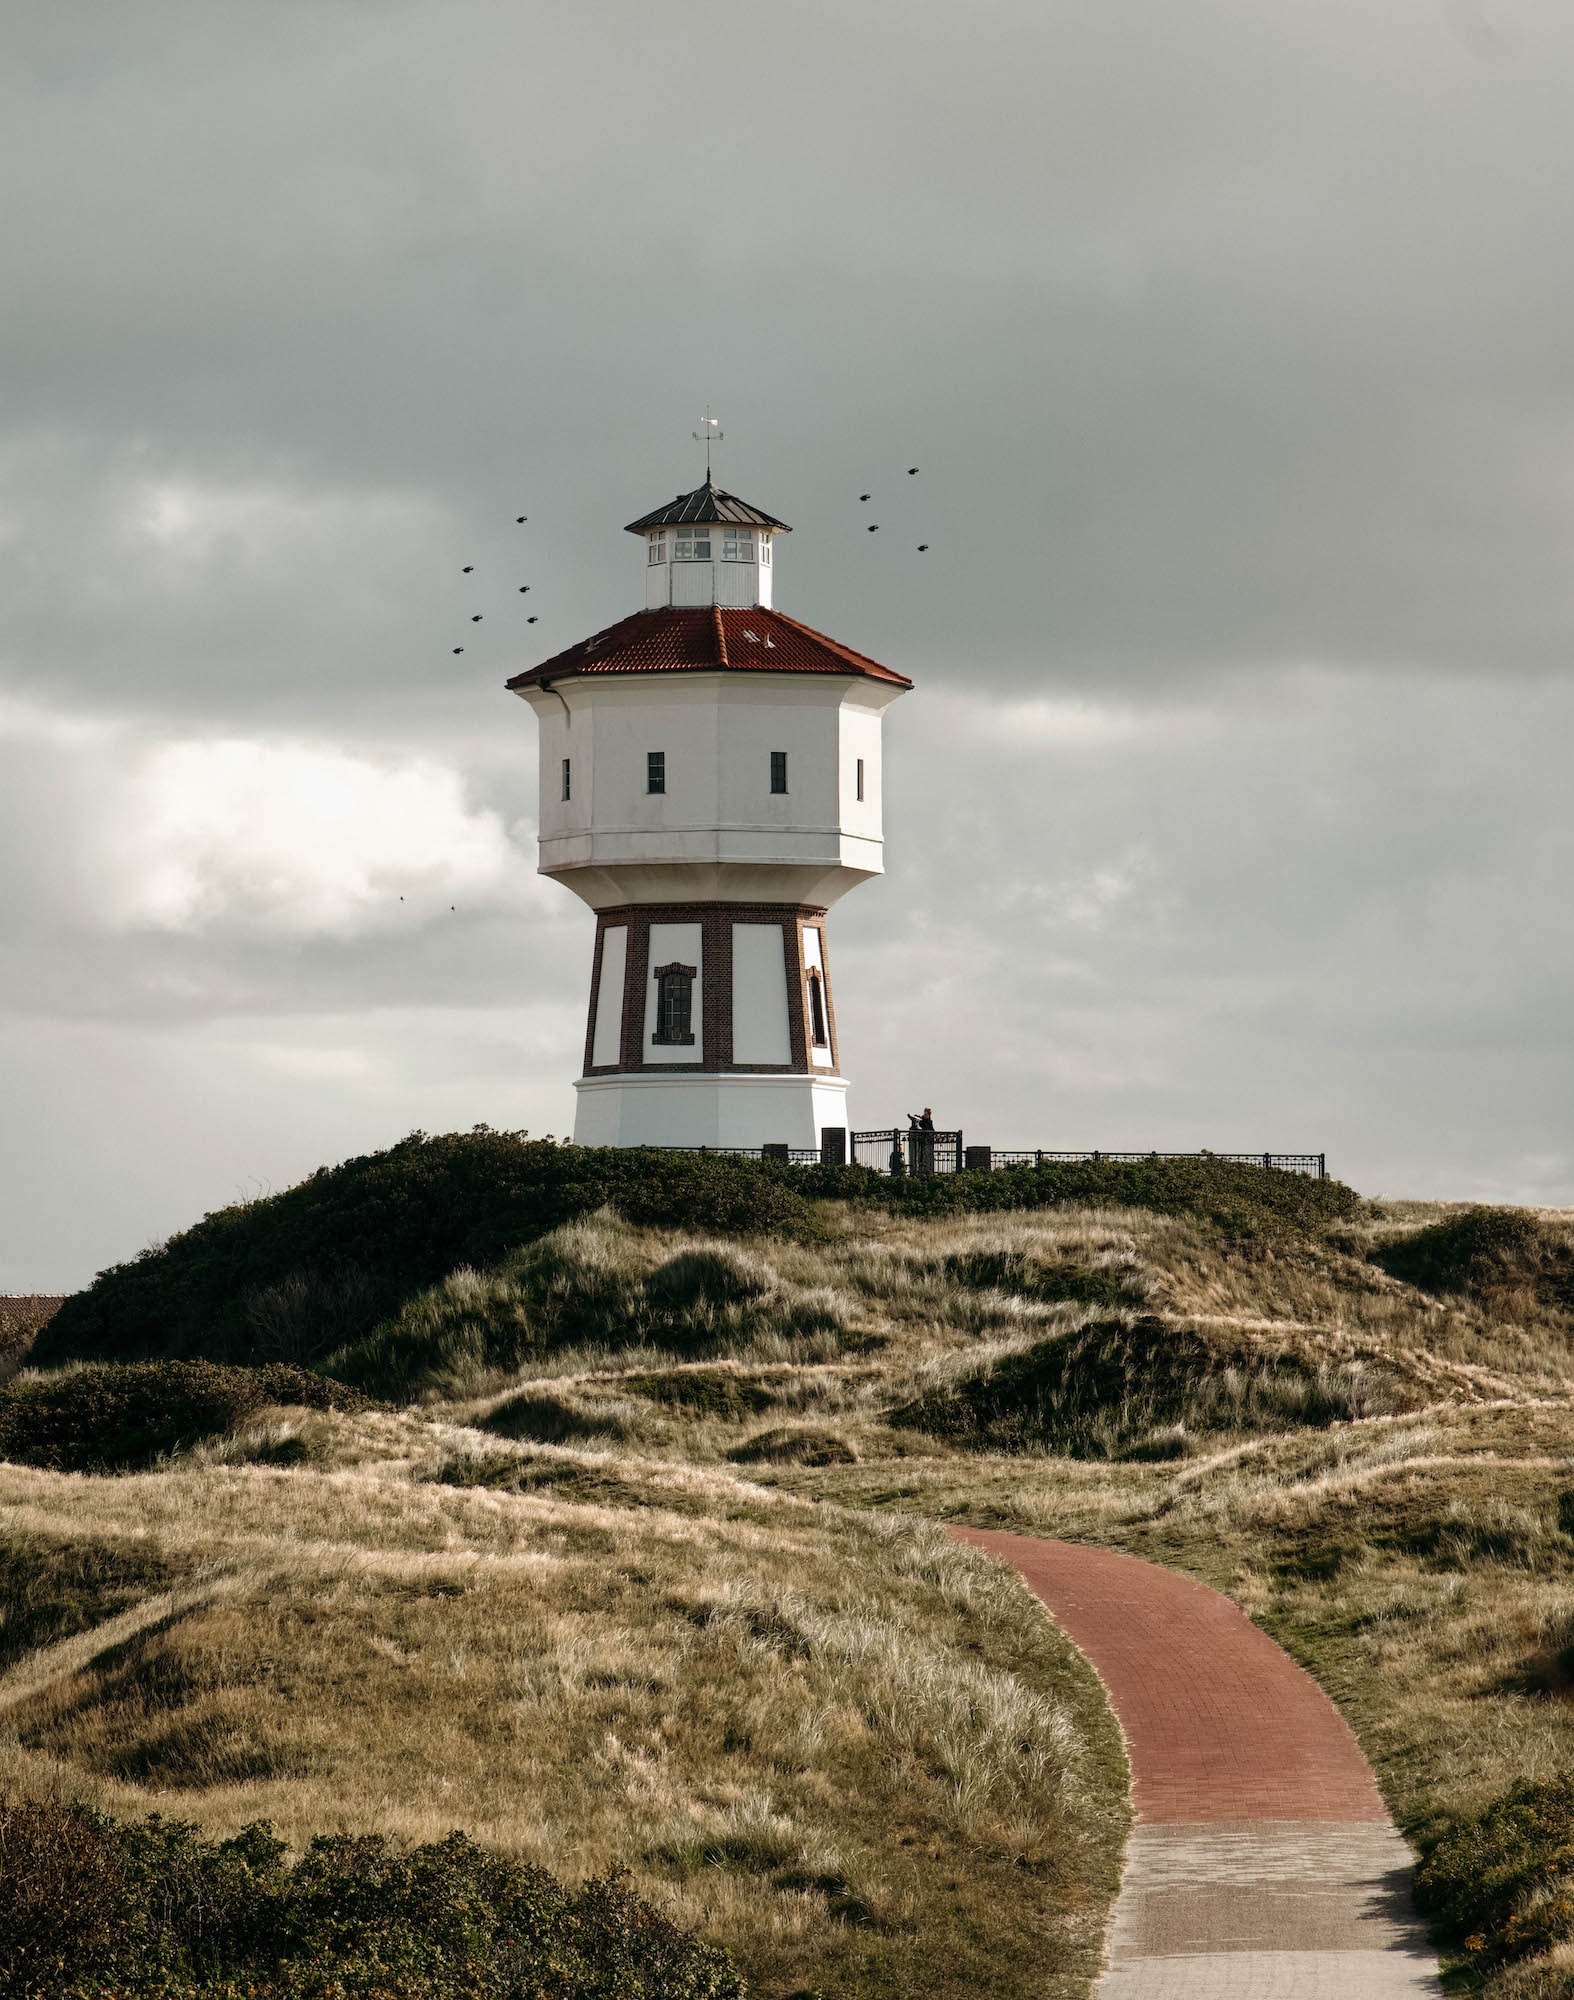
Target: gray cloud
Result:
[[1234, 345]]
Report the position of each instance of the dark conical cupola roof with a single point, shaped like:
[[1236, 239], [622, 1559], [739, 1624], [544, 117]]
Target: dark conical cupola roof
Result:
[[708, 503]]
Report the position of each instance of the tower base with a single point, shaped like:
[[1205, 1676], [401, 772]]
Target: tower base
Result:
[[707, 1110]]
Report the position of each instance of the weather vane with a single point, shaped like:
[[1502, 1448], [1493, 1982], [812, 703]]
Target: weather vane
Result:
[[710, 432]]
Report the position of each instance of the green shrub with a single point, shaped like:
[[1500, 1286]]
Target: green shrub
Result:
[[91, 1908], [1499, 1884], [297, 1275], [1485, 1252], [1131, 1387], [1241, 1198], [115, 1417], [322, 1263]]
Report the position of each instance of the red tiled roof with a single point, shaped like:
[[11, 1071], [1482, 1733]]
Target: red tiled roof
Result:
[[671, 640]]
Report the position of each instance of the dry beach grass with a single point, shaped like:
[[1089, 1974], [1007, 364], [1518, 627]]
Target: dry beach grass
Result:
[[643, 1568], [839, 1744]]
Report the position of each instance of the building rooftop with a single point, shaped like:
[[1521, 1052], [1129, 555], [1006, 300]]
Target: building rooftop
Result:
[[708, 503], [680, 640]]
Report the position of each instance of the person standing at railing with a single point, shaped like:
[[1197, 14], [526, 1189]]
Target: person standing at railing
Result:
[[921, 1142]]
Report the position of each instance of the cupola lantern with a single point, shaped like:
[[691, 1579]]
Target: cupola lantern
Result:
[[710, 786]]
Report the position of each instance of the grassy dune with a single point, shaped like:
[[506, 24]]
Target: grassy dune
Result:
[[838, 1744], [635, 1562]]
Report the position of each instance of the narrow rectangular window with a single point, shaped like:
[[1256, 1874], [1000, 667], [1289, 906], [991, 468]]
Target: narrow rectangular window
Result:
[[860, 780], [817, 1033], [658, 548], [765, 548], [568, 786], [778, 770], [655, 770]]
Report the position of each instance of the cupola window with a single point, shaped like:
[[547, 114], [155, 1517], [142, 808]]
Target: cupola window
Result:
[[658, 548], [692, 544], [737, 545], [674, 1005], [765, 549]]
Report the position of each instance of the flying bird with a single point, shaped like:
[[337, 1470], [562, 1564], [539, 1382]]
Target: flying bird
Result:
[[523, 588], [874, 527], [530, 621], [459, 649], [922, 546], [467, 569], [521, 520], [911, 470], [475, 618], [863, 496]]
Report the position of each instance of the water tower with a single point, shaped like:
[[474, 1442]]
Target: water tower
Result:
[[710, 786]]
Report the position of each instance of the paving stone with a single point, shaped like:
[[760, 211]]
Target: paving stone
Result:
[[1264, 1865]]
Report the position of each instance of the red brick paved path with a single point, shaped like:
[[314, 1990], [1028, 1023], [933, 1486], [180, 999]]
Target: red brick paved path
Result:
[[1220, 1723]]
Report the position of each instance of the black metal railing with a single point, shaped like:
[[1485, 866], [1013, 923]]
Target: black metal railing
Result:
[[900, 1149], [1315, 1164], [908, 1150]]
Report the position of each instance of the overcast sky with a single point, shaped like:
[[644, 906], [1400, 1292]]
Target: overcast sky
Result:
[[1234, 339]]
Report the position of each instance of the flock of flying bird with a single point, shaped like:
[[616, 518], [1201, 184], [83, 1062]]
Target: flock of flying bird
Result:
[[476, 617]]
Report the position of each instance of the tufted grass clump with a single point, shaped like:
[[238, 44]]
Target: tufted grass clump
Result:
[[594, 1287], [1135, 1387], [116, 1418]]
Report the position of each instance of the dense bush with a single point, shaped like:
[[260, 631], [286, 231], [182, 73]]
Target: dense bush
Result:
[[1488, 1252], [316, 1267], [1242, 1198], [1499, 1884], [92, 1908], [1134, 1388], [116, 1417], [298, 1275]]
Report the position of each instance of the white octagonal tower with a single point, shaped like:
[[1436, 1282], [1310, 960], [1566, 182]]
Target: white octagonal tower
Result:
[[710, 785]]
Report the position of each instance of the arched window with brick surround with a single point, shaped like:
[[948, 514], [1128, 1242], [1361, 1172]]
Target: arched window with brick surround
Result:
[[674, 1005]]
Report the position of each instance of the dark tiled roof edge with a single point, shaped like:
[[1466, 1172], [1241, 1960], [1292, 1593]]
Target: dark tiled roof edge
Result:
[[707, 503]]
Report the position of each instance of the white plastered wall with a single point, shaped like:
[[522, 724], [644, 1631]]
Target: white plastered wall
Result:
[[614, 841], [759, 995], [707, 1110], [607, 1042], [675, 944]]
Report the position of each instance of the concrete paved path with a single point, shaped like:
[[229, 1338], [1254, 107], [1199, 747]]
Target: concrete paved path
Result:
[[1263, 1865]]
